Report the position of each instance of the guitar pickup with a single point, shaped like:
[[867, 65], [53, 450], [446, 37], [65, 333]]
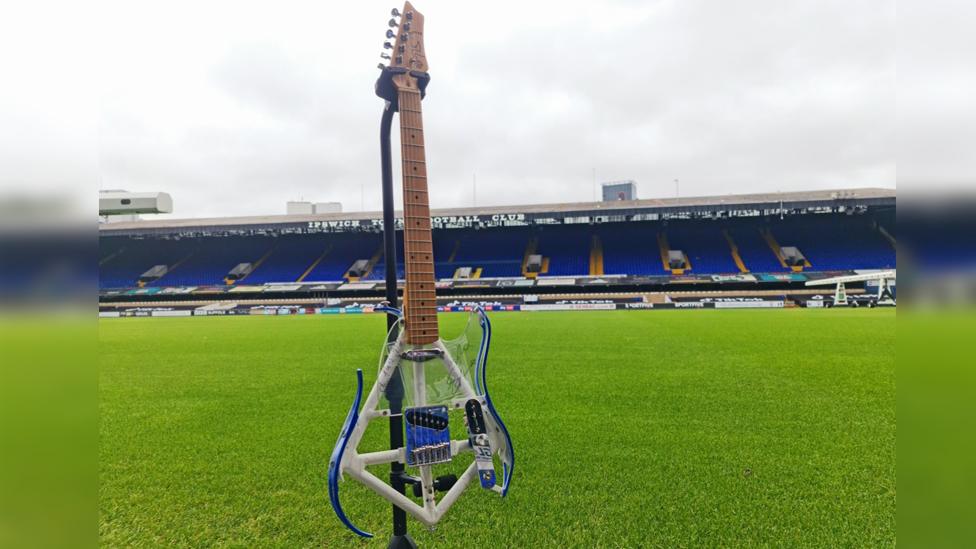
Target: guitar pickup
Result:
[[474, 417]]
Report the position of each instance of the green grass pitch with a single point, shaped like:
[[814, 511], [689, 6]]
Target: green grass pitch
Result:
[[631, 429]]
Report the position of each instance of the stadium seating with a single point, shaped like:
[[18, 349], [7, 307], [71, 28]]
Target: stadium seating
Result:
[[346, 248], [753, 248], [833, 243], [631, 249], [123, 260], [497, 251], [290, 258], [703, 243], [567, 248], [829, 242]]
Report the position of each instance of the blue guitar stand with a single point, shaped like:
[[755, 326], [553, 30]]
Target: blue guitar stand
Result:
[[394, 391]]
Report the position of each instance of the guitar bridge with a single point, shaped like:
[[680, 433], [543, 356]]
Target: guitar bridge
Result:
[[428, 436]]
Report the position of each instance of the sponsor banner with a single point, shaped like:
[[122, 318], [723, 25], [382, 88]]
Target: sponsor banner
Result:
[[143, 291], [472, 284], [140, 312], [177, 290], [731, 299], [569, 307], [515, 283], [555, 282], [476, 284], [782, 277], [635, 305], [210, 290], [237, 289], [281, 287], [357, 286], [688, 279], [814, 303], [691, 305], [108, 314], [470, 307], [748, 304], [743, 277], [645, 280], [184, 312]]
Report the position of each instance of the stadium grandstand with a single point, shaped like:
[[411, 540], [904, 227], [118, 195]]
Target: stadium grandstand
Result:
[[770, 241]]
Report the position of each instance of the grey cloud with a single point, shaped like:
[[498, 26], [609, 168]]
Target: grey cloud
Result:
[[727, 96]]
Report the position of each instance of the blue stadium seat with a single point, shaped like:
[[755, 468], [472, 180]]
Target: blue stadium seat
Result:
[[830, 242]]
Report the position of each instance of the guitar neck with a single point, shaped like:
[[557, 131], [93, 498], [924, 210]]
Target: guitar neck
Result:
[[421, 301]]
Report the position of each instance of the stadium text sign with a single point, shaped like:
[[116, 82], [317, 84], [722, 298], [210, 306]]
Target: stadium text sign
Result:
[[437, 222]]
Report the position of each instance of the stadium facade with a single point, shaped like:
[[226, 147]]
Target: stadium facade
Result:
[[738, 243]]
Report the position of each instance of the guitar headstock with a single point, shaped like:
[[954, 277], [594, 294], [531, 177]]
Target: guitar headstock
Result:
[[406, 51]]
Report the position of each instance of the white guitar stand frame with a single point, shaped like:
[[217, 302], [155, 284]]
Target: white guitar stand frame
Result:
[[346, 460]]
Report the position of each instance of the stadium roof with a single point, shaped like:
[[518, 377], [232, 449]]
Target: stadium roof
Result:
[[762, 201]]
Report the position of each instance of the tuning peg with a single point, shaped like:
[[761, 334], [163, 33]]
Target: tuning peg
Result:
[[393, 23], [387, 45], [380, 66], [409, 15], [406, 27], [385, 56], [395, 12], [390, 33]]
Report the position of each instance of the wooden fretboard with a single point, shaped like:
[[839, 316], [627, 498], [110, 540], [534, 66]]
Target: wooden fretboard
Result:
[[420, 300]]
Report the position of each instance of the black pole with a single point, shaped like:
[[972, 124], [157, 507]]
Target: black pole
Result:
[[389, 227], [394, 391]]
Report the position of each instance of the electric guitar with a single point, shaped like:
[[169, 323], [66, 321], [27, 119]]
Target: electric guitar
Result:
[[433, 378]]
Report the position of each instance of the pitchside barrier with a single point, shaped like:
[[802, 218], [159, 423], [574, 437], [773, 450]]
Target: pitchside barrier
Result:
[[753, 302]]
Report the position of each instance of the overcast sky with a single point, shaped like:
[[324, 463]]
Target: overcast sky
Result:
[[235, 109]]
